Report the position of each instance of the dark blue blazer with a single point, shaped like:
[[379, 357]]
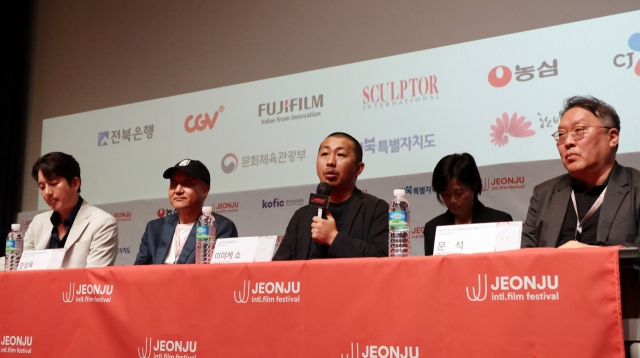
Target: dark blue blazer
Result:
[[159, 233]]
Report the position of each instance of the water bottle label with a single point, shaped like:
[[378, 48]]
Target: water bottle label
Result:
[[11, 246], [398, 218], [202, 233]]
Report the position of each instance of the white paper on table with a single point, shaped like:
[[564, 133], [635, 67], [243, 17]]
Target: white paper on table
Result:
[[41, 259], [476, 238], [234, 250], [266, 245]]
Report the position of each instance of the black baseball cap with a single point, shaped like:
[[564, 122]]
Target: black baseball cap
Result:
[[194, 168]]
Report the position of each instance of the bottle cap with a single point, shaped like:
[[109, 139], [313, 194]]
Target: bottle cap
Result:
[[398, 192], [207, 210], [15, 227]]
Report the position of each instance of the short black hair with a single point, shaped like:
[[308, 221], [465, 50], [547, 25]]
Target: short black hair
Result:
[[602, 110], [356, 144], [57, 164], [461, 167]]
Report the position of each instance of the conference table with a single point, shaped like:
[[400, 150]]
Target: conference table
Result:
[[533, 302]]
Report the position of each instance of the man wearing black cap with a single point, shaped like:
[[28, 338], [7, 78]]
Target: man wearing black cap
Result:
[[172, 239]]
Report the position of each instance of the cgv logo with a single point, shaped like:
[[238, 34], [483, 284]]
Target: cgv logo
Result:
[[200, 122], [163, 347], [371, 351]]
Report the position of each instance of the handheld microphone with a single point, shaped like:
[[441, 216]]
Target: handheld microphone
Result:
[[321, 198]]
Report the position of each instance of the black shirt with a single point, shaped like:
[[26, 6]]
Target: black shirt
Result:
[[585, 198], [55, 242], [339, 212]]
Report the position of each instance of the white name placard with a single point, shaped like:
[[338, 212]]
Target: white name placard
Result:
[[41, 259], [476, 238], [266, 247]]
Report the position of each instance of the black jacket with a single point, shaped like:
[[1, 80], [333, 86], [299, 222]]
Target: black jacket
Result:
[[481, 214], [367, 234]]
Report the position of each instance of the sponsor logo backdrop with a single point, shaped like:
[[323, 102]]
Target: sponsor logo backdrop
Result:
[[496, 98]]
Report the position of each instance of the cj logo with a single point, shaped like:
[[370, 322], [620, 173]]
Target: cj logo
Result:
[[625, 60], [201, 122], [229, 163], [243, 296], [67, 297], [145, 352], [477, 296]]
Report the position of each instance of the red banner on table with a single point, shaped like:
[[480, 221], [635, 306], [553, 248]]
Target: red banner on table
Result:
[[535, 302]]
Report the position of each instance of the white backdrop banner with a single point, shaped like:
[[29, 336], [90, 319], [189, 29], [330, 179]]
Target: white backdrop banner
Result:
[[495, 98]]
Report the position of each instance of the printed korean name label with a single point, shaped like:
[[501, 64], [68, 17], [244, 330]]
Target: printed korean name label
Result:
[[476, 238], [41, 259], [235, 250]]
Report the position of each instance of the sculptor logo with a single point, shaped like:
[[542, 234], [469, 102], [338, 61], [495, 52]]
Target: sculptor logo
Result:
[[200, 122], [162, 347], [229, 163], [371, 351]]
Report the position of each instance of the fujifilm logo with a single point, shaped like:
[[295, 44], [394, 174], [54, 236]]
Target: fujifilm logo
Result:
[[88, 293], [371, 351], [268, 292], [167, 349], [16, 344], [515, 288]]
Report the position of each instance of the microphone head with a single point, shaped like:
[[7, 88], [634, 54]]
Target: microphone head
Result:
[[324, 189]]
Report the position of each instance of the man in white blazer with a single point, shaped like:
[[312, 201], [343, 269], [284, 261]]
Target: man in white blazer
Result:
[[89, 234]]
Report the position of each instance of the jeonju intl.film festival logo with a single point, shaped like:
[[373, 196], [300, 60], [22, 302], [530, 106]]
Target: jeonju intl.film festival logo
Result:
[[515, 288], [88, 293], [167, 349], [268, 292]]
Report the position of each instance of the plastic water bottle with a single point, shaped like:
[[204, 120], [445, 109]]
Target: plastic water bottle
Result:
[[205, 236], [399, 225], [13, 250]]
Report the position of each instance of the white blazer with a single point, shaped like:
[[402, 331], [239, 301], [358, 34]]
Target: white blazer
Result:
[[92, 239]]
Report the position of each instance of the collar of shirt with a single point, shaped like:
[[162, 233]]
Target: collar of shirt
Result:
[[57, 242]]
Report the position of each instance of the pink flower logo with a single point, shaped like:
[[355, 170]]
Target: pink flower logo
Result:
[[514, 127]]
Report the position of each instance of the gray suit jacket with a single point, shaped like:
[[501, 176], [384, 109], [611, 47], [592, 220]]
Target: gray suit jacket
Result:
[[92, 240], [619, 213]]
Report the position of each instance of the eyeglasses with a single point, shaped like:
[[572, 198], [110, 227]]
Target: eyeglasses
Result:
[[576, 132]]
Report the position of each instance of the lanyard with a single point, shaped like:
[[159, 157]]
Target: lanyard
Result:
[[593, 209], [178, 246]]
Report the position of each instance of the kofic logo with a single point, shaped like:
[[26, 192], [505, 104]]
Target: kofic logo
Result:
[[201, 122], [229, 163], [476, 296], [625, 60], [146, 351], [103, 138], [243, 296], [383, 351], [515, 127], [68, 296], [163, 347]]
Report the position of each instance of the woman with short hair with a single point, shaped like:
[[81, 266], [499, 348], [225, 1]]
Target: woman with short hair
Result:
[[457, 183]]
